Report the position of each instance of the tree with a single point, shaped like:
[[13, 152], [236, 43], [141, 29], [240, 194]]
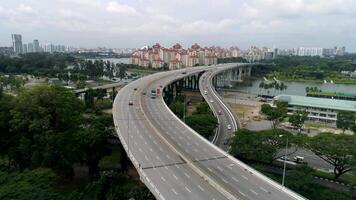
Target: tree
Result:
[[275, 114], [262, 146], [337, 150], [204, 124], [43, 121], [6, 104], [177, 108], [202, 108], [35, 184], [122, 71], [298, 118], [92, 140], [345, 120]]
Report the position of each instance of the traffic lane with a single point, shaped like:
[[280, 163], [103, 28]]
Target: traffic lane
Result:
[[224, 120], [147, 147], [243, 181], [181, 135], [309, 157], [180, 182]]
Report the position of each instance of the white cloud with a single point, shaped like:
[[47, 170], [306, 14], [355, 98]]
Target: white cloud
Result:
[[25, 9], [121, 9], [254, 21]]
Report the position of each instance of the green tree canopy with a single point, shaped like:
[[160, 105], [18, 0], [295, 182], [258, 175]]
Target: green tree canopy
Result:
[[275, 114], [261, 146], [337, 150], [35, 184], [43, 121], [92, 140], [203, 124], [298, 118], [345, 120]]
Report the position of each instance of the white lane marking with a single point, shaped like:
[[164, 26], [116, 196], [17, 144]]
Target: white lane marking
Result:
[[151, 149], [140, 149], [235, 179], [174, 191], [253, 192], [219, 168], [186, 174], [202, 189], [230, 166], [263, 189], [163, 179], [244, 177], [146, 157], [242, 193], [187, 189], [210, 169], [175, 177], [224, 180]]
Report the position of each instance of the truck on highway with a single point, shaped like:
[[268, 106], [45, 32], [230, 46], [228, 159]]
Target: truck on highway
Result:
[[153, 94]]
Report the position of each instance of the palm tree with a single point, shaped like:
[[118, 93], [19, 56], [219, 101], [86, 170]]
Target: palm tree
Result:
[[261, 86]]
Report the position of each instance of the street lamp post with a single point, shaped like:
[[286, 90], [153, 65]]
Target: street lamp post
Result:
[[184, 108], [285, 161]]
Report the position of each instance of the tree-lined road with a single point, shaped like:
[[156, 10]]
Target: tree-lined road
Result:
[[172, 159]]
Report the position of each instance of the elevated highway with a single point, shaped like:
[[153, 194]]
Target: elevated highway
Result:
[[173, 160]]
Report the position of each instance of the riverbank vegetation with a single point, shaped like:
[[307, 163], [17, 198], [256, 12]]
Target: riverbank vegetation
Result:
[[308, 69]]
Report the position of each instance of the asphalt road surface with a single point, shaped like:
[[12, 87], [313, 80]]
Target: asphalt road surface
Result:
[[173, 160]]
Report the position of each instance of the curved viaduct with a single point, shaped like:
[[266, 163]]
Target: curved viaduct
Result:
[[174, 161]]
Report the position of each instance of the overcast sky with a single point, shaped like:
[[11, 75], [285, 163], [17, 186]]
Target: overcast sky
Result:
[[135, 23]]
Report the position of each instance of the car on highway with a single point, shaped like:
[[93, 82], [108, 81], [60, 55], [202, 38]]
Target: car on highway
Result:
[[135, 89], [211, 101], [185, 72], [219, 112], [228, 127], [205, 92], [226, 141], [130, 103]]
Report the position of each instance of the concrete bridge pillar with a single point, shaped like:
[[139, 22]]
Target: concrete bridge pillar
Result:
[[249, 69], [240, 74]]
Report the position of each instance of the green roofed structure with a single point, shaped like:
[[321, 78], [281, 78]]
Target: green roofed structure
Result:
[[333, 95], [319, 109]]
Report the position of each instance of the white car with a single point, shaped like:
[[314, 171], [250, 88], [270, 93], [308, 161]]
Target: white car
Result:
[[229, 127], [211, 101], [205, 92]]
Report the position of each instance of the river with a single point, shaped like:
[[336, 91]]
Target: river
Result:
[[298, 88]]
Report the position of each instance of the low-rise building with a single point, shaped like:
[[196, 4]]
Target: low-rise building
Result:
[[319, 109]]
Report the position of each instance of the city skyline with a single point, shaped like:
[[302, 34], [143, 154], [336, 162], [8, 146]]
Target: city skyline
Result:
[[92, 23]]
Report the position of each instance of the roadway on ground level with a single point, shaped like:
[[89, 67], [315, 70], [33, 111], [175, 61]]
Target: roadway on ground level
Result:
[[172, 159]]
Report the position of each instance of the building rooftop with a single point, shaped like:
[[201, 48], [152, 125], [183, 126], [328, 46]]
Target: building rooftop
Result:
[[334, 104]]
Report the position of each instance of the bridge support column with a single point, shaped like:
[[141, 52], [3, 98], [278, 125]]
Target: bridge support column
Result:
[[240, 74]]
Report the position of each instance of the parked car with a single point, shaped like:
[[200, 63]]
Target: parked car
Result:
[[130, 103]]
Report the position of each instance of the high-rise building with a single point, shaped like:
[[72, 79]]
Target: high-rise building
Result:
[[24, 48], [30, 48], [17, 43], [36, 46]]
